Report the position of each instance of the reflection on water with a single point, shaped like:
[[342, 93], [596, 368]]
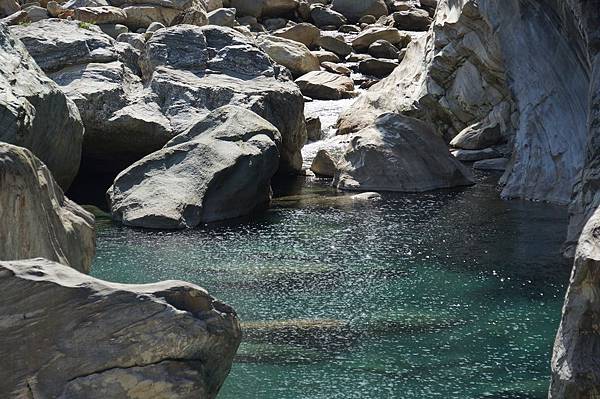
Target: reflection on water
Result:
[[452, 294]]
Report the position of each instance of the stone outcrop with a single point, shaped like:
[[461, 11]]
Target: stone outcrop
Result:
[[586, 198], [484, 64], [86, 338], [37, 219], [575, 371], [35, 113], [220, 168], [398, 153], [133, 103]]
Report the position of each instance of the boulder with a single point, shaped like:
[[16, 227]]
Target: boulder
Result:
[[412, 20], [575, 373], [384, 49], [374, 33], [336, 68], [378, 68], [35, 113], [324, 164], [336, 45], [324, 16], [36, 13], [88, 338], [326, 56], [324, 85], [305, 33], [100, 15], [113, 30], [37, 219], [132, 106], [221, 168], [478, 136], [222, 17], [398, 153], [293, 55], [354, 10]]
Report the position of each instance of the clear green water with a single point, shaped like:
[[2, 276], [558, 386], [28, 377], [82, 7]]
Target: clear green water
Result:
[[452, 294]]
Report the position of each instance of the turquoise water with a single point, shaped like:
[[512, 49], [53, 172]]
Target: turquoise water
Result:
[[452, 294]]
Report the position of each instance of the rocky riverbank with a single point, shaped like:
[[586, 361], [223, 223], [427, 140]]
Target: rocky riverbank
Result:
[[184, 112]]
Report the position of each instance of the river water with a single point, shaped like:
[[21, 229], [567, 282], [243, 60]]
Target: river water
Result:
[[449, 294]]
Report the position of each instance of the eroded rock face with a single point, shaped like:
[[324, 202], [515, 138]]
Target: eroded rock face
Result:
[[35, 113], [398, 153], [87, 338], [37, 219], [133, 103], [487, 63], [586, 198], [220, 168], [575, 372]]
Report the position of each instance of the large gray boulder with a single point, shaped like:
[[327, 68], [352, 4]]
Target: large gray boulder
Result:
[[35, 113], [575, 369], [220, 168], [86, 338], [132, 104], [37, 219], [398, 153]]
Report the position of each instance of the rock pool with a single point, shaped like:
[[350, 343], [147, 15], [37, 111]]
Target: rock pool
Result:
[[449, 294]]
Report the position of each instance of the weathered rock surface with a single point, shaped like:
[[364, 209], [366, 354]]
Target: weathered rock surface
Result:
[[293, 55], [575, 372], [87, 338], [222, 17], [133, 105], [325, 85], [220, 168], [376, 67], [374, 33], [336, 45], [483, 58], [37, 219], [398, 153], [35, 113], [305, 33], [586, 198], [324, 16]]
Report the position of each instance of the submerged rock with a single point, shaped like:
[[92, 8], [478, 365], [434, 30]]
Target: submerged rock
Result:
[[398, 153], [87, 338], [220, 168], [37, 219], [35, 113]]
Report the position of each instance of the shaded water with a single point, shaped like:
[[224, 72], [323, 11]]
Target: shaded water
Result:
[[452, 294]]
